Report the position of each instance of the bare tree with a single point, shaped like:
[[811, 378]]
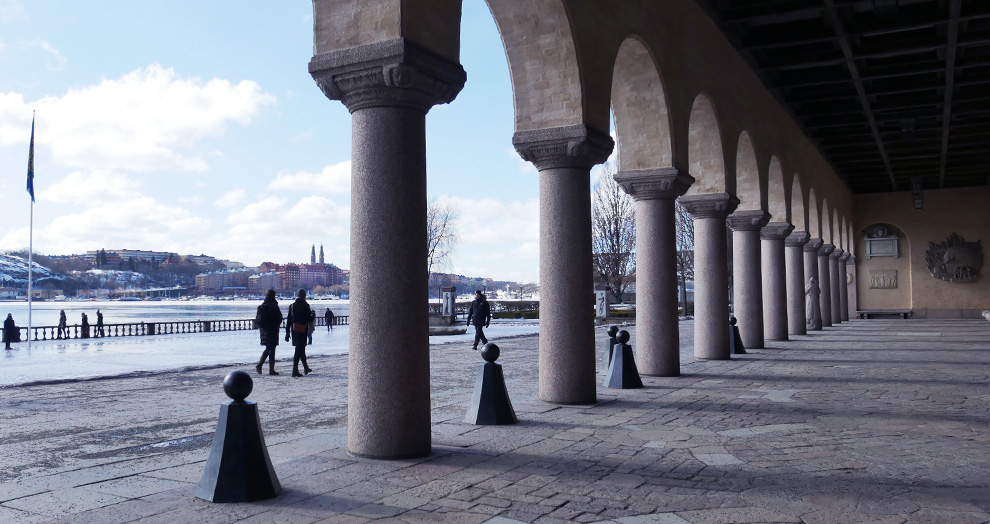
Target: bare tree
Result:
[[684, 240], [441, 234], [613, 233]]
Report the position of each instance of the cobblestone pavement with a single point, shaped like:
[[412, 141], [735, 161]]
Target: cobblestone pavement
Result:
[[870, 421]]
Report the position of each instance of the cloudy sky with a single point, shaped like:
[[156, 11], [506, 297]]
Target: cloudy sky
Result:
[[194, 127]]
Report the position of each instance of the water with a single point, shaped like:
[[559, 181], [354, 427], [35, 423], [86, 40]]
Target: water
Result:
[[89, 358]]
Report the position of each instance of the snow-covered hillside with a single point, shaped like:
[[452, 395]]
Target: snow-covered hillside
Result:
[[14, 271]]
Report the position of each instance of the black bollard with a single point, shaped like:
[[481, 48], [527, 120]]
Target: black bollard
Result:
[[736, 346], [238, 468], [490, 405], [610, 343], [622, 372]]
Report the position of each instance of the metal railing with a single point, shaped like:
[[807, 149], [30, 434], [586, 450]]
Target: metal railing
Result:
[[77, 331]]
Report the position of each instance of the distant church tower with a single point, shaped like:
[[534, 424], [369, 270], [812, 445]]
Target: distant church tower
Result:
[[312, 255], [321, 254]]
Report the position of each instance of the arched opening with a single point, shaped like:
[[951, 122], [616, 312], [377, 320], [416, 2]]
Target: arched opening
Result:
[[705, 156], [799, 214], [776, 199], [826, 222], [814, 219], [747, 175], [639, 107]]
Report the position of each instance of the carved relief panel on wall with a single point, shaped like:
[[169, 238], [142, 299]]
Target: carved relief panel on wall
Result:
[[881, 241], [883, 279], [955, 260]]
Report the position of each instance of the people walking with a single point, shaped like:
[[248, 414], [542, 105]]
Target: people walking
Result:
[[269, 319], [85, 326], [99, 324], [310, 327], [63, 328], [480, 315], [9, 331], [296, 329], [328, 317]]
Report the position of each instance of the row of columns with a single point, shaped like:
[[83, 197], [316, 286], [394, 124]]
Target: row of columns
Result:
[[389, 87]]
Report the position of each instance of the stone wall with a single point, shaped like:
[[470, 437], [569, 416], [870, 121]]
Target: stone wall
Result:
[[965, 212]]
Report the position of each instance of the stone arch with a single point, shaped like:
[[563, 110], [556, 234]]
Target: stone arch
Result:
[[639, 108], [850, 241], [814, 218], [705, 153], [747, 178], [799, 214], [543, 64], [826, 222], [776, 200]]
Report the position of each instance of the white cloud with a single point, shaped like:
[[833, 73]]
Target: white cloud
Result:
[[230, 198], [149, 119], [488, 221], [12, 11], [56, 60], [334, 178], [194, 200], [93, 188]]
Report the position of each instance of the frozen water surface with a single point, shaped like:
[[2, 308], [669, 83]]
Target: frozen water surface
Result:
[[98, 357]]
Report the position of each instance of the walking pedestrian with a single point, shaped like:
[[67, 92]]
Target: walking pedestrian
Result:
[[269, 319], [310, 327], [296, 328], [481, 314], [9, 330], [328, 316], [99, 323], [85, 326], [63, 328]]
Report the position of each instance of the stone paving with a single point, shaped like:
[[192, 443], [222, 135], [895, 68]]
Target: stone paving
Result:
[[881, 421]]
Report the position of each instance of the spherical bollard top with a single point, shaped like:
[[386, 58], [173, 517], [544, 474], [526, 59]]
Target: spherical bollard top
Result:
[[732, 321], [612, 330], [490, 352], [623, 337], [238, 385]]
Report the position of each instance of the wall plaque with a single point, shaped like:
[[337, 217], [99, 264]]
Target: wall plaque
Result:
[[881, 241], [955, 260], [883, 279]]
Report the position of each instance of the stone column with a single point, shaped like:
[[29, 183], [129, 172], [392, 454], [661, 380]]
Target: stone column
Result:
[[844, 287], [853, 298], [388, 88], [825, 282], [811, 270], [711, 278], [654, 190], [774, 279], [833, 275], [564, 156], [797, 323], [747, 282]]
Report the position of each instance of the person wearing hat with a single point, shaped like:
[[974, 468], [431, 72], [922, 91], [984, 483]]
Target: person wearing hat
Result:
[[9, 330], [481, 314]]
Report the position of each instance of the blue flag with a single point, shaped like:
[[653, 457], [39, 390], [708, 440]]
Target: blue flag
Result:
[[30, 182]]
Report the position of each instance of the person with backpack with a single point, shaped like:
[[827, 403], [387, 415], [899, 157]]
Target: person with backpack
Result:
[[297, 328], [479, 316], [269, 320]]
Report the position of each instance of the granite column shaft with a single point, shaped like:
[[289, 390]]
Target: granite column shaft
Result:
[[773, 270], [654, 190], [825, 281], [844, 289], [711, 280], [797, 323], [837, 282], [811, 270], [747, 281]]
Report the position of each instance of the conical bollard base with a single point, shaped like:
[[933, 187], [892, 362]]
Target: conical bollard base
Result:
[[238, 469], [490, 403], [622, 372]]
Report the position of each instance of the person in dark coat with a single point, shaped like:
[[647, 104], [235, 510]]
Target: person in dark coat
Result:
[[99, 324], [328, 316], [63, 328], [297, 328], [85, 326], [269, 321], [8, 330], [480, 315]]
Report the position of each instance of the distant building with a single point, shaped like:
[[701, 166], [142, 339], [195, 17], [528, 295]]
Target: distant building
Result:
[[217, 281], [305, 275], [8, 293], [262, 282], [125, 254], [201, 260]]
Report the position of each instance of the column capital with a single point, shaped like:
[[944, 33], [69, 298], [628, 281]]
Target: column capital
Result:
[[712, 205], [394, 73], [776, 231], [796, 239], [576, 146], [846, 256], [826, 250], [748, 220], [813, 245], [654, 184], [836, 254]]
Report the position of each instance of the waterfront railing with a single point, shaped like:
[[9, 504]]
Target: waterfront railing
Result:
[[136, 329]]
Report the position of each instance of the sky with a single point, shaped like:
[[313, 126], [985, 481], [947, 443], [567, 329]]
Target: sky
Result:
[[194, 127]]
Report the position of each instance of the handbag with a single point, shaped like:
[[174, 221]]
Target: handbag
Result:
[[299, 328]]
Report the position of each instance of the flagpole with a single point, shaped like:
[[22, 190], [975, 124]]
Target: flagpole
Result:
[[30, 188]]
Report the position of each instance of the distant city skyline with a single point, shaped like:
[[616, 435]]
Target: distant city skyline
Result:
[[194, 127]]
